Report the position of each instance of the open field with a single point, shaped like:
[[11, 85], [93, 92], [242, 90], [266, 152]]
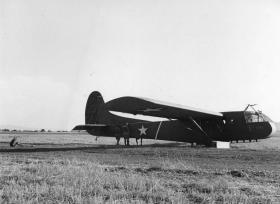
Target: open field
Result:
[[74, 168]]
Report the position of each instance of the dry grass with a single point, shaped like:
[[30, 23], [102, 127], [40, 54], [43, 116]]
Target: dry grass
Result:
[[165, 173]]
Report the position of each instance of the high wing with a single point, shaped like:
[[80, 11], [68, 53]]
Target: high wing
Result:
[[150, 107]]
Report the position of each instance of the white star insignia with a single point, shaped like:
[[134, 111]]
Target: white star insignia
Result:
[[142, 130]]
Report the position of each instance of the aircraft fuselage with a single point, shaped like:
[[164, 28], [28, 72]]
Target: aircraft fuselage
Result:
[[192, 125], [232, 128]]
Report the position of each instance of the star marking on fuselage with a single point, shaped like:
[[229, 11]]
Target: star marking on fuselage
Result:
[[143, 130]]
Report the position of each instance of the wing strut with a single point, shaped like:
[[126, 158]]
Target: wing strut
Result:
[[158, 130], [201, 129], [198, 126]]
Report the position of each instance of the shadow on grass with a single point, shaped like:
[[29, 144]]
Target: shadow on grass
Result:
[[63, 147]]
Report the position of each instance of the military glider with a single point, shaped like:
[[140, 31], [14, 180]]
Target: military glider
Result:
[[184, 124]]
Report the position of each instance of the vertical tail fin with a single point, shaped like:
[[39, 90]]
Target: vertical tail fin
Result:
[[97, 112], [95, 104]]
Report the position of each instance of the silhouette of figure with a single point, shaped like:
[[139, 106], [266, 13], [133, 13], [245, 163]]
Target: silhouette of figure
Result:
[[117, 134], [14, 142], [126, 134], [141, 140]]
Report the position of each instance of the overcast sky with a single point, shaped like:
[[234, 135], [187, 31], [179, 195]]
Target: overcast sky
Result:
[[217, 55]]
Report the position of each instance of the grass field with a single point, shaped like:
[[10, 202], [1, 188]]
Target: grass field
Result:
[[74, 168]]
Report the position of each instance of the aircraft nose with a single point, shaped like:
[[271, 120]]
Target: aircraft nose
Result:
[[273, 129]]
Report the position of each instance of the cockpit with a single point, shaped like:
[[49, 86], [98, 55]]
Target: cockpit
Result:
[[254, 116], [248, 124]]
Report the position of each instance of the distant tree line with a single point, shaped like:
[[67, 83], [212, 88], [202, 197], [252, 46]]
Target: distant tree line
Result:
[[42, 130], [5, 130]]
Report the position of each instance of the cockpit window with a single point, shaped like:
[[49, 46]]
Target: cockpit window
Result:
[[253, 117]]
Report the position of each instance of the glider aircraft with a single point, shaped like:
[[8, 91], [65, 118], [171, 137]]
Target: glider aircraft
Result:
[[184, 124]]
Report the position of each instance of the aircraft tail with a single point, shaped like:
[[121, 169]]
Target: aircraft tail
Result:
[[97, 112], [94, 106]]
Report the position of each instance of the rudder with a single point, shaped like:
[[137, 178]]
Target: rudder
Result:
[[94, 104]]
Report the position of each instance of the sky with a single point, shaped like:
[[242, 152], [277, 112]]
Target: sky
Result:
[[218, 55]]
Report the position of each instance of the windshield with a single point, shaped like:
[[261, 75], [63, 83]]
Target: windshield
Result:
[[253, 117]]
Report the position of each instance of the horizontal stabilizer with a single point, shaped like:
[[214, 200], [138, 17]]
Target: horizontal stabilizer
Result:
[[90, 127]]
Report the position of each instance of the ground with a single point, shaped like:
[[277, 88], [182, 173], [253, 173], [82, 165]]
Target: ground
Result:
[[75, 168]]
